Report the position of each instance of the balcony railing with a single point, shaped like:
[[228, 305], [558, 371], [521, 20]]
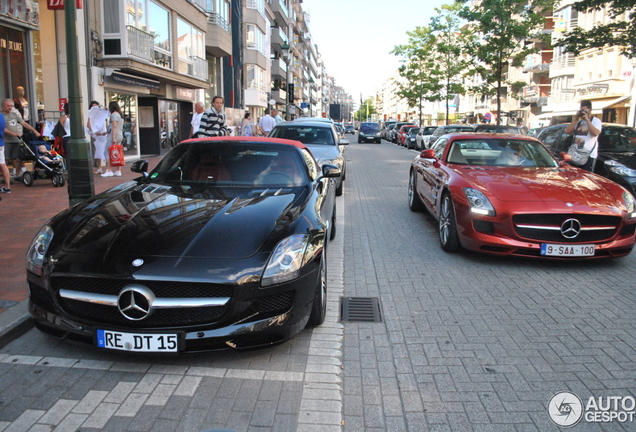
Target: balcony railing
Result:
[[562, 62], [140, 44], [199, 67], [560, 96], [218, 20]]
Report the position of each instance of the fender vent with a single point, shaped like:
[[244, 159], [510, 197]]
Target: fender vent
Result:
[[365, 309]]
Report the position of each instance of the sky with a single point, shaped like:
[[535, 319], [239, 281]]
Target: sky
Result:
[[355, 37]]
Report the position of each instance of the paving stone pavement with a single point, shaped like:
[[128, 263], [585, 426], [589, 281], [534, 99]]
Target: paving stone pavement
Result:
[[470, 342]]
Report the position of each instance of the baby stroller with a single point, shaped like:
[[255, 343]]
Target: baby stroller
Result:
[[42, 169]]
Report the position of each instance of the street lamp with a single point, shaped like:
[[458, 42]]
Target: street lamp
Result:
[[285, 49]]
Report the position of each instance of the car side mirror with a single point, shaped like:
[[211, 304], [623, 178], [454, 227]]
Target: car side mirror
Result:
[[330, 171], [343, 142], [140, 166], [428, 154]]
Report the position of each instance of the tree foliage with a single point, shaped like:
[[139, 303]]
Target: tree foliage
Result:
[[366, 110], [418, 82], [501, 29], [617, 33]]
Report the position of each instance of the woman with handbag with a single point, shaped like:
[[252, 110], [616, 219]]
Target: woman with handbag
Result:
[[115, 137]]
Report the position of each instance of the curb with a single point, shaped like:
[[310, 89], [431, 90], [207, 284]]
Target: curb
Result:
[[14, 322]]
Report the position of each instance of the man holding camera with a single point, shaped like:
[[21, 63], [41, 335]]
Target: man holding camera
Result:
[[585, 130]]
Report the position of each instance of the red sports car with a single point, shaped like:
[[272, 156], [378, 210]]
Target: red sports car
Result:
[[402, 133], [507, 195]]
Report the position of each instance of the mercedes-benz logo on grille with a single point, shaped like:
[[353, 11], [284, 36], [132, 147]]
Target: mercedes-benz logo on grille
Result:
[[135, 302], [570, 228]]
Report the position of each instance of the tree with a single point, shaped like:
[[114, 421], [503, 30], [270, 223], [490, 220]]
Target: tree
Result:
[[366, 110], [416, 63], [448, 61], [501, 29], [617, 33]]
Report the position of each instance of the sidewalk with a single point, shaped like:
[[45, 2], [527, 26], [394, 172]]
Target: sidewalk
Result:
[[22, 214]]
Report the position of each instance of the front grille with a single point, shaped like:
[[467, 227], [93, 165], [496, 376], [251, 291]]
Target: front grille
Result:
[[556, 220], [109, 315], [277, 303], [41, 297], [161, 289]]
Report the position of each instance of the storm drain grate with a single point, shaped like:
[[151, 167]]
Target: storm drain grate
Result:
[[365, 309]]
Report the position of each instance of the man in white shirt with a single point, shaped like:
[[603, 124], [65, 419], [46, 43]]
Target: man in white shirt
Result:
[[585, 130], [276, 115], [196, 118], [267, 123]]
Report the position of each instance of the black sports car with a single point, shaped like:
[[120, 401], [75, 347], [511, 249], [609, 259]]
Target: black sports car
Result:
[[222, 245]]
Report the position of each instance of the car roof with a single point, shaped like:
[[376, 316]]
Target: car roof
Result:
[[317, 119], [311, 123], [257, 140], [486, 135]]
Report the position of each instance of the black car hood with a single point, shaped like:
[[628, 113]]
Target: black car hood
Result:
[[153, 220], [626, 158]]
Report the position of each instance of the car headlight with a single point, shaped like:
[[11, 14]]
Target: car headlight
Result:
[[620, 169], [286, 261], [479, 203], [378, 134], [38, 248], [628, 199]]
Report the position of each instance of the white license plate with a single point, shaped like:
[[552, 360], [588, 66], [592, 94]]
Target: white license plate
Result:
[[146, 342], [564, 250]]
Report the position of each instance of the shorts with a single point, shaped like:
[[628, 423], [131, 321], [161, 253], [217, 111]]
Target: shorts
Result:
[[11, 150], [2, 160]]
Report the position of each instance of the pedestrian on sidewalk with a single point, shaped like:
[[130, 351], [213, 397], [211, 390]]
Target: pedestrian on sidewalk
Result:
[[267, 123], [213, 120], [246, 125], [13, 132], [3, 166], [115, 136], [196, 119], [97, 116]]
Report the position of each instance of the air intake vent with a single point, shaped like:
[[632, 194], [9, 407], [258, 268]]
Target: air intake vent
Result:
[[365, 309]]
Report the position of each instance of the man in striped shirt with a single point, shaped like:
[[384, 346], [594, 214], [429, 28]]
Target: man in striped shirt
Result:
[[213, 120]]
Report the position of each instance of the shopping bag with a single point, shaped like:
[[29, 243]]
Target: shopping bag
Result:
[[116, 155], [58, 146]]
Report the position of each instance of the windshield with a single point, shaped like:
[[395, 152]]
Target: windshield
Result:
[[497, 129], [305, 134], [364, 127], [617, 139], [500, 152], [233, 163]]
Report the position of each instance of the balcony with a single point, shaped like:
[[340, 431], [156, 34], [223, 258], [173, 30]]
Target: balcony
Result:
[[280, 96], [140, 44], [279, 70], [279, 38], [218, 38], [195, 67], [281, 14]]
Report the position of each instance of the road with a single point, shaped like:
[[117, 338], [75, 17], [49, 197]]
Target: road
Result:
[[467, 342]]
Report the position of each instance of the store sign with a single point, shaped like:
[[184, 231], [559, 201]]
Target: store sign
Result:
[[59, 4], [593, 90], [134, 80], [62, 102], [185, 94]]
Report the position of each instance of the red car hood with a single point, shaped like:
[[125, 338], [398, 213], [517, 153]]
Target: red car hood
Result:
[[540, 184]]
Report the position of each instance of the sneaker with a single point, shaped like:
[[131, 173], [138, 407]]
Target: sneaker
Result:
[[117, 173], [99, 171], [107, 174], [13, 172], [5, 190]]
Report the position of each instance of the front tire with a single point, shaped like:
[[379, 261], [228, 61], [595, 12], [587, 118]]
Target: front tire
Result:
[[332, 232], [319, 308], [340, 187], [27, 178], [415, 203], [448, 237]]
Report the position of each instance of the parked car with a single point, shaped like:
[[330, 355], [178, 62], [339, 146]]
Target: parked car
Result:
[[396, 129], [507, 195], [402, 132], [616, 151], [442, 130], [369, 132], [386, 127], [488, 128], [349, 129], [409, 140], [323, 141], [318, 119], [339, 129], [222, 245], [422, 137]]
